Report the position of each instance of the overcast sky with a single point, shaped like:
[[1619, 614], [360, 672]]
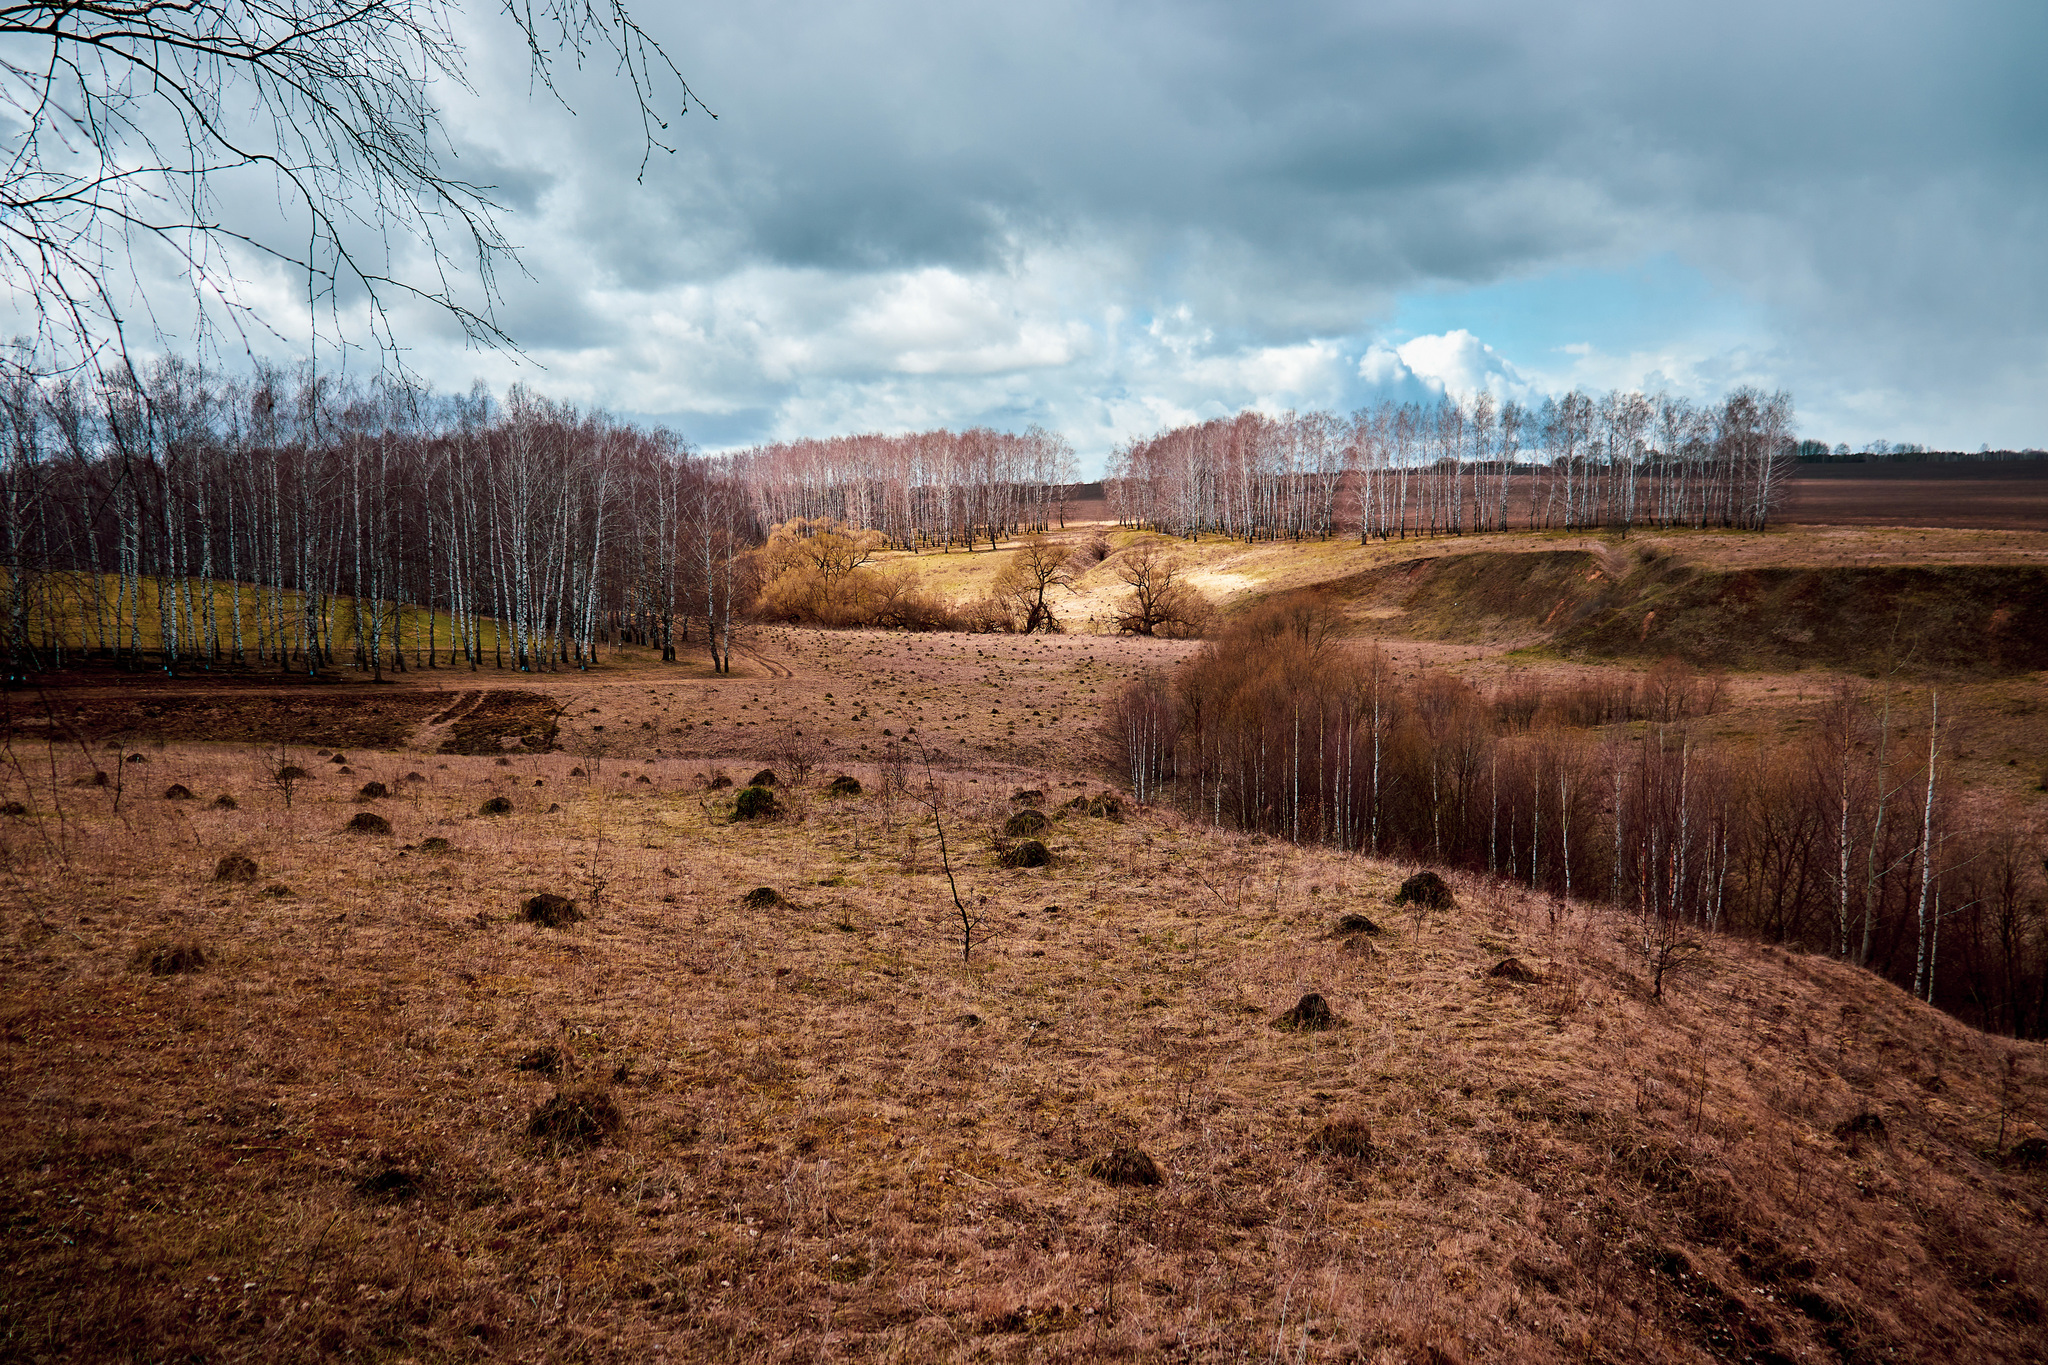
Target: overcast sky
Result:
[[1110, 217]]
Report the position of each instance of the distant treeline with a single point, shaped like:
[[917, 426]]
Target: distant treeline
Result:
[[1848, 841], [929, 489], [1448, 467]]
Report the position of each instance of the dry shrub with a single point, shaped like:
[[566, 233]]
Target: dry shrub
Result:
[[291, 772], [1511, 970], [368, 822], [235, 867], [551, 911], [1030, 853], [177, 791], [163, 957], [1311, 1014], [1025, 824], [574, 1119], [497, 805], [764, 898], [1125, 1166], [1427, 890]]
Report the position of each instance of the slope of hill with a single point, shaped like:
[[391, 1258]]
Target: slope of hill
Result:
[[382, 1113]]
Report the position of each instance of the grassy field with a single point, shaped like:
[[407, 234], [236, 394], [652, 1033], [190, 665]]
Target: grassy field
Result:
[[352, 1100], [87, 612]]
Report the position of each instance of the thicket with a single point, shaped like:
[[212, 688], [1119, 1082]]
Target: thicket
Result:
[[1847, 841]]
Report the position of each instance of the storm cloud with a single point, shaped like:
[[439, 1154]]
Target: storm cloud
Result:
[[1110, 216]]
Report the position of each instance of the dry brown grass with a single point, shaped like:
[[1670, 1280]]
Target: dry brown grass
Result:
[[810, 1130]]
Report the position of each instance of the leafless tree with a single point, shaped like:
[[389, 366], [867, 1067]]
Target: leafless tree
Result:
[[141, 126], [1025, 584], [1161, 601]]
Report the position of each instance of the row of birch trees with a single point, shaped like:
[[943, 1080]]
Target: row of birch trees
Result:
[[1849, 841], [1449, 467], [298, 521], [933, 489]]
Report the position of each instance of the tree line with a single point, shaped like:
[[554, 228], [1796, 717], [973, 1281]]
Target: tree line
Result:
[[1848, 841], [931, 489], [299, 520], [1450, 466]]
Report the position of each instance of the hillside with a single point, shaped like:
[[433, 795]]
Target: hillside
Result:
[[821, 1132], [1959, 601]]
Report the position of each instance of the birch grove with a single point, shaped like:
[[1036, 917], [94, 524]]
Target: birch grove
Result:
[[297, 522]]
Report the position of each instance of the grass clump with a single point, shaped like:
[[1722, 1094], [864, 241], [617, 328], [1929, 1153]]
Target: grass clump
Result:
[[497, 805], [755, 802], [1030, 853], [1126, 1166], [234, 867], [164, 957], [764, 898], [1311, 1014], [368, 822], [1026, 824], [571, 1120], [1427, 890], [551, 911]]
